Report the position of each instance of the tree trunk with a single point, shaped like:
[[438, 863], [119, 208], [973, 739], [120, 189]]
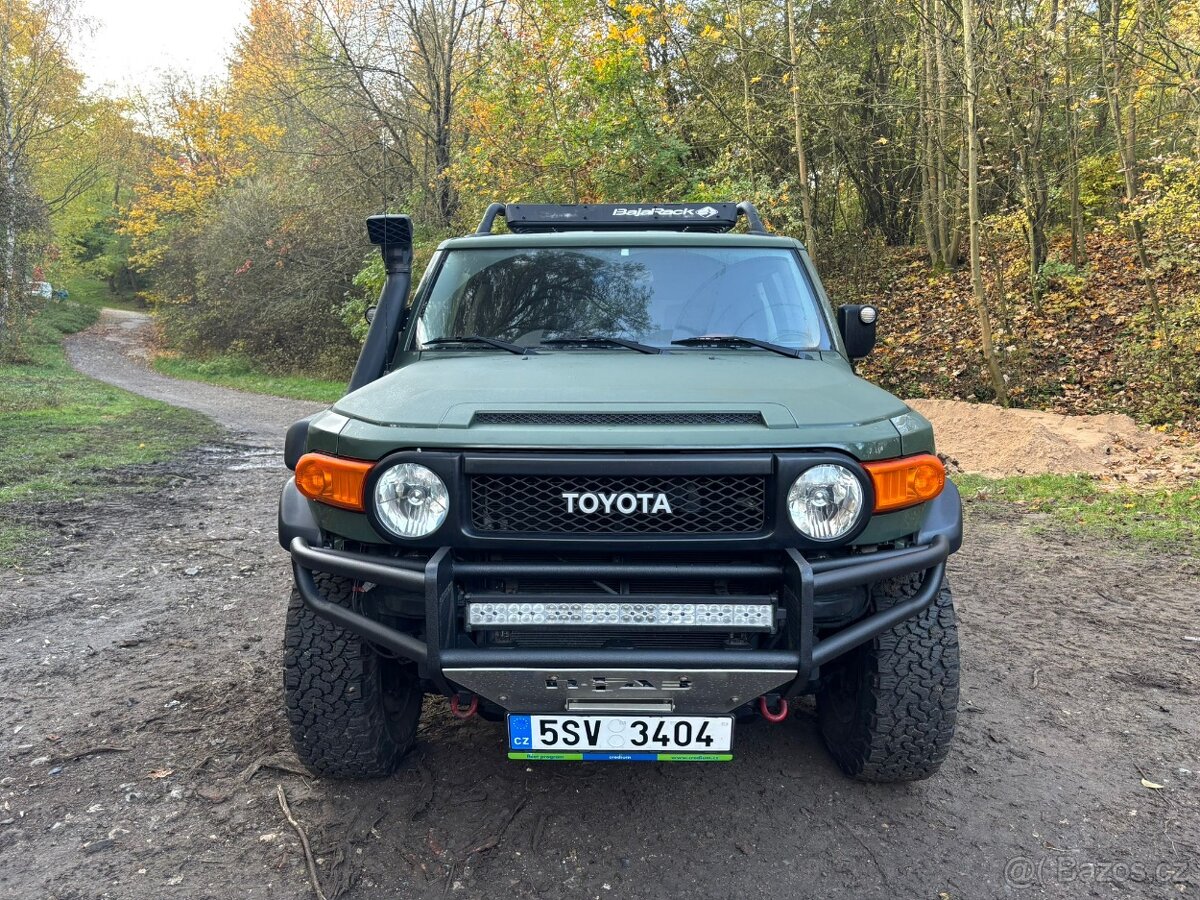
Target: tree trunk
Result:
[[8, 201], [1124, 124], [973, 216], [743, 56], [1078, 250], [954, 248], [930, 199], [1104, 18], [1035, 238], [806, 206], [947, 205]]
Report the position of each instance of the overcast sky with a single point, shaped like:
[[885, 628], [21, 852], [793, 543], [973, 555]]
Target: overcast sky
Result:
[[136, 39]]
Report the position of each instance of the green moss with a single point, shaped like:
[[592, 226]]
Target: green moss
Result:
[[1164, 517]]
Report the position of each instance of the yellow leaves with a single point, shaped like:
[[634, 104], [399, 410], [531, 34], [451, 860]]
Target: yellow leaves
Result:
[[264, 59], [209, 145], [710, 33], [631, 35]]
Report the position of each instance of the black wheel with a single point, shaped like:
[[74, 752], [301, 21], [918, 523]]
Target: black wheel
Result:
[[353, 712], [887, 709]]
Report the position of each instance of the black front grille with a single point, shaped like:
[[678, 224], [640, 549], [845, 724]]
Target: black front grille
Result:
[[624, 418], [699, 504]]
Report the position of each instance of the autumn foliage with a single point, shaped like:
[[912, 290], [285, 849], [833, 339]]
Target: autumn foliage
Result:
[[1027, 214]]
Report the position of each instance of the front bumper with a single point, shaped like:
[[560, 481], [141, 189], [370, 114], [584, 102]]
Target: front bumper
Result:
[[541, 679]]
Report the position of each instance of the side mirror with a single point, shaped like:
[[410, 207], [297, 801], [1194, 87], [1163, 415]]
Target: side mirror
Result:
[[857, 325]]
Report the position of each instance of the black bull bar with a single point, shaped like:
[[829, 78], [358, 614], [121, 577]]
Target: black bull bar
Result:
[[802, 581]]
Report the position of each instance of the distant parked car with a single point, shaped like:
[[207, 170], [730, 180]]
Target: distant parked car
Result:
[[41, 289], [62, 294]]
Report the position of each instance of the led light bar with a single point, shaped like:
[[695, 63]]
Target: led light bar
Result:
[[736, 616]]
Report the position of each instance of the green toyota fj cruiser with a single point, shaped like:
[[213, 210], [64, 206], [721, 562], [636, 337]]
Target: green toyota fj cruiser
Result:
[[611, 477]]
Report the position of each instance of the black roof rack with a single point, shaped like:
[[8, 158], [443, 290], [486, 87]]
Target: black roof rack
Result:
[[532, 218]]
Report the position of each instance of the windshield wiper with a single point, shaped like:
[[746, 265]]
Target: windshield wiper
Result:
[[479, 339], [732, 340], [601, 342]]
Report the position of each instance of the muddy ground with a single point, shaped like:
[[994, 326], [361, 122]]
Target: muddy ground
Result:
[[142, 736]]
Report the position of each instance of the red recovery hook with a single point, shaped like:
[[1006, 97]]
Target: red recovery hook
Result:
[[777, 716], [460, 713]]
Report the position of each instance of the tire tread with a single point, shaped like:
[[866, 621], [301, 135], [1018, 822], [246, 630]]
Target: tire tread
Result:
[[903, 687], [339, 722]]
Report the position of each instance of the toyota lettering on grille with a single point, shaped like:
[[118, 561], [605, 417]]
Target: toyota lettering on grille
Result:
[[625, 502]]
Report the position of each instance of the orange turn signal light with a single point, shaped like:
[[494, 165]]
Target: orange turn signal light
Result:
[[333, 480], [904, 482]]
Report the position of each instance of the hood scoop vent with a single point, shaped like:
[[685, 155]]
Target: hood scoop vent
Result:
[[607, 419]]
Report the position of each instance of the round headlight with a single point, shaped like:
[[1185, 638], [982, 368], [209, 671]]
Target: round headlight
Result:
[[825, 502], [410, 500]]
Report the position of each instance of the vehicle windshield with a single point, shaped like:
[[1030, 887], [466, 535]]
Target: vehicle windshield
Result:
[[653, 295]]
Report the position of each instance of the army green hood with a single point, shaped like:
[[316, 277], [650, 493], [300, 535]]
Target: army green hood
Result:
[[435, 402]]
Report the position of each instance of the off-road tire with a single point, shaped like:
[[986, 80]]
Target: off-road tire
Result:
[[353, 712], [887, 709]]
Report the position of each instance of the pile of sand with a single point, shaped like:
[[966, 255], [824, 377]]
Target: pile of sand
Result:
[[990, 440]]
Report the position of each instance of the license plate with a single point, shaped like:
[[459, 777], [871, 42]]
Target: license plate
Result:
[[621, 737]]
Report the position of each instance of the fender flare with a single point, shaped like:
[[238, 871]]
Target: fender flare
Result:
[[296, 519]]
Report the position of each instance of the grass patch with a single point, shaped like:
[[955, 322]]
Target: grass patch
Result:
[[238, 372], [14, 541], [1163, 516], [64, 433], [87, 290]]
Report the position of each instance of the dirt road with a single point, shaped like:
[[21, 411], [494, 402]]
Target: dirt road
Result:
[[113, 348], [142, 737]]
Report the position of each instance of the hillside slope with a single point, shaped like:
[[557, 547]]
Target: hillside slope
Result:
[[1088, 348]]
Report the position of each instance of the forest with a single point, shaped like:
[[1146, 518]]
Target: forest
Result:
[[1015, 183]]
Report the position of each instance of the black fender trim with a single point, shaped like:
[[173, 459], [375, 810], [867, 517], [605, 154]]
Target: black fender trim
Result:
[[296, 519], [944, 518], [296, 441]]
